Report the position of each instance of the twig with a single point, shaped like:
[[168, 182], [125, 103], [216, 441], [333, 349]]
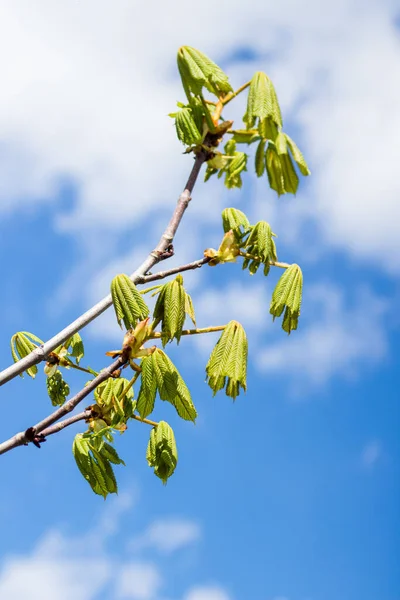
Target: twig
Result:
[[153, 423], [24, 437], [40, 353], [83, 416], [157, 334], [196, 264]]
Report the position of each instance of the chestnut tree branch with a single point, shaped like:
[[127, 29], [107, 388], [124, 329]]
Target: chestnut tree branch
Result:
[[159, 253]]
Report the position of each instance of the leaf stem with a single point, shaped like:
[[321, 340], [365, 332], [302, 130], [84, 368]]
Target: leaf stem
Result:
[[233, 95], [281, 265], [157, 335], [153, 423]]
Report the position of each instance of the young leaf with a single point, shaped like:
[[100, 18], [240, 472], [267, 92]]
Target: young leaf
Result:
[[57, 389], [234, 169], [274, 170], [198, 71], [93, 457], [227, 365], [287, 296], [260, 159], [171, 386], [148, 388], [186, 128], [162, 453], [298, 157], [234, 220], [75, 347], [170, 309], [22, 344], [262, 101], [128, 303], [260, 243]]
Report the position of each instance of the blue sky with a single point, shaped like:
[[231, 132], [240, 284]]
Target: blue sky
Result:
[[292, 493]]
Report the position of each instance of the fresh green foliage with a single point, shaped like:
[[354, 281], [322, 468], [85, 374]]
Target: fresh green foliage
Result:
[[94, 456], [234, 219], [287, 296], [260, 244], [202, 128], [262, 102], [160, 374], [128, 303], [173, 303], [162, 453], [114, 398], [227, 365], [57, 388], [186, 127], [231, 164], [22, 344], [75, 347], [197, 71]]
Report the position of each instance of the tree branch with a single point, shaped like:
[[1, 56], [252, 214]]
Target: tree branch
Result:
[[25, 437], [196, 264], [153, 258], [82, 416]]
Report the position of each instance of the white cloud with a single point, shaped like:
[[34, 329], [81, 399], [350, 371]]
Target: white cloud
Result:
[[371, 454], [207, 593], [168, 535], [54, 571], [139, 581], [335, 339], [87, 89]]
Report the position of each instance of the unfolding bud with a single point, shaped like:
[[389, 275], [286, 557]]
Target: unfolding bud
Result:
[[227, 252], [162, 453], [135, 338], [128, 303], [197, 71]]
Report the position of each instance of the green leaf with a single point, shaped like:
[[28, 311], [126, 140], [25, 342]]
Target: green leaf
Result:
[[186, 128], [274, 170], [260, 243], [75, 347], [260, 159], [93, 457], [148, 388], [197, 71], [287, 296], [242, 136], [128, 303], [262, 101], [189, 308], [268, 129], [22, 344], [227, 365], [234, 169], [57, 389], [298, 157], [235, 220], [171, 386], [170, 309], [162, 453]]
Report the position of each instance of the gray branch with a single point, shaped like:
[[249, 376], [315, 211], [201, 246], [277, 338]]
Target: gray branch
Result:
[[40, 353]]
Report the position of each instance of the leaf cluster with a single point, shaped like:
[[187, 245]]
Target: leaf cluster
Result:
[[159, 374], [94, 457], [227, 365], [129, 306], [172, 306], [287, 297], [162, 453]]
